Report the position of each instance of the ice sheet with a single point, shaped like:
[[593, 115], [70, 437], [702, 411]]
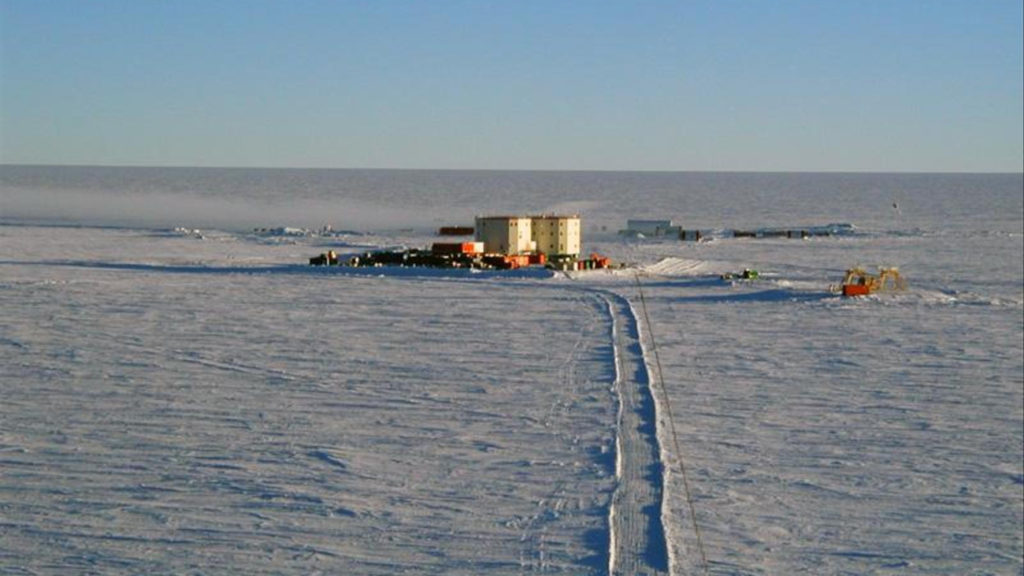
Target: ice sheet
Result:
[[186, 398]]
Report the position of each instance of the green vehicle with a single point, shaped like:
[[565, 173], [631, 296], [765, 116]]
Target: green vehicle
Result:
[[747, 274]]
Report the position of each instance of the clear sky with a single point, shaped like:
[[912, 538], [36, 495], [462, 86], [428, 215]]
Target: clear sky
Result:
[[794, 85]]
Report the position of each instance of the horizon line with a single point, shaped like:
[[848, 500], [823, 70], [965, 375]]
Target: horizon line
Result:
[[445, 169]]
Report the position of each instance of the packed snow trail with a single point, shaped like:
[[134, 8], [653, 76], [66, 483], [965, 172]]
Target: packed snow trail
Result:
[[637, 537]]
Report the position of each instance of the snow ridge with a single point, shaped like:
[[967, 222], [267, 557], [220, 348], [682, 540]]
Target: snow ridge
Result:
[[673, 266]]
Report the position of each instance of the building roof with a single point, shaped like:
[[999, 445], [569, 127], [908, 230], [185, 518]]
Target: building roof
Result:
[[528, 216]]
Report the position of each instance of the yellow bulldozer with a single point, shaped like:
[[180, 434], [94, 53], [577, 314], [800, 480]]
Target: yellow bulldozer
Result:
[[859, 282]]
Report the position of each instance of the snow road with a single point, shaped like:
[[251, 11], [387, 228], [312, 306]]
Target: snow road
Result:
[[637, 533]]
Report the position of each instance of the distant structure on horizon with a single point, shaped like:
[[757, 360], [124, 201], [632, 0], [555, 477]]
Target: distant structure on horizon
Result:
[[651, 228], [551, 235]]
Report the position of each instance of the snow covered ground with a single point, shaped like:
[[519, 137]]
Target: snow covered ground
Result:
[[836, 436], [179, 400]]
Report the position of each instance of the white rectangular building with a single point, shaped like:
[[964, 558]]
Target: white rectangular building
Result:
[[557, 235], [505, 234]]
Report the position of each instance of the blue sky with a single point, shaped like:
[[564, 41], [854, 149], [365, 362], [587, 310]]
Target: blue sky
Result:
[[905, 85]]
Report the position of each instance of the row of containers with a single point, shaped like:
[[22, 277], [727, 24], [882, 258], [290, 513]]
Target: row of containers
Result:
[[476, 250], [665, 228], [461, 255], [440, 255], [512, 261]]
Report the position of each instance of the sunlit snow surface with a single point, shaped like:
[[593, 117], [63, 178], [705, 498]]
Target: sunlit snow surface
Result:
[[177, 400]]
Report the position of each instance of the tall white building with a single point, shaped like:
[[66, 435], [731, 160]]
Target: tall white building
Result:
[[557, 234], [505, 234]]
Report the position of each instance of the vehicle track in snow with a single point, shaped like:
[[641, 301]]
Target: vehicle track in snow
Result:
[[637, 538]]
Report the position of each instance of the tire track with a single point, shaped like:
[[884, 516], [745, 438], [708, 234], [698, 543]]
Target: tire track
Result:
[[637, 538]]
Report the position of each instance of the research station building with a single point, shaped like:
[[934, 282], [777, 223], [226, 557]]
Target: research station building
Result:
[[557, 235], [505, 234], [546, 234]]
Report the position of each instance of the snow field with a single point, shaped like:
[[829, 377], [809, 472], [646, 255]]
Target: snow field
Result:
[[177, 403], [834, 436], [178, 400], [160, 421]]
